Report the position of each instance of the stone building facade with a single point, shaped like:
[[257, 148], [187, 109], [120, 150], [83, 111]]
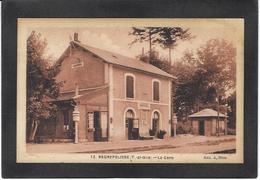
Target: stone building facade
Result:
[[117, 97]]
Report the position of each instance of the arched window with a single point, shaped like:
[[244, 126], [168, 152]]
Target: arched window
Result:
[[129, 79], [156, 90], [128, 116], [156, 115]]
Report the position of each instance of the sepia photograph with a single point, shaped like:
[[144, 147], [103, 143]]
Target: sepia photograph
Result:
[[130, 90]]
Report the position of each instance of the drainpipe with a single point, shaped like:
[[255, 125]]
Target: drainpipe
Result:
[[218, 119], [225, 124], [76, 120], [174, 125], [76, 116]]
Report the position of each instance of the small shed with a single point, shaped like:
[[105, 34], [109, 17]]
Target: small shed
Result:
[[208, 122]]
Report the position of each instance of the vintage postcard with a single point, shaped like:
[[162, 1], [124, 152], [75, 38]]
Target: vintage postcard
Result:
[[115, 90]]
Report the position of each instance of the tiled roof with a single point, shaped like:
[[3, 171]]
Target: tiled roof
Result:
[[207, 113], [118, 59]]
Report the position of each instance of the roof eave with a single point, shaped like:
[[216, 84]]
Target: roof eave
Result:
[[169, 77], [206, 116]]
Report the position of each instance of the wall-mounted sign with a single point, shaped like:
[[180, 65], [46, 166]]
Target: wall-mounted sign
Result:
[[75, 114], [77, 63], [142, 105]]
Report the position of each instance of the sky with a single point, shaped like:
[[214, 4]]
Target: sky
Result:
[[117, 39]]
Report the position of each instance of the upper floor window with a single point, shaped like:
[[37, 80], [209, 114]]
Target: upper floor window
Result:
[[130, 82], [156, 90]]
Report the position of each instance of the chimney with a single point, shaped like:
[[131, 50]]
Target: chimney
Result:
[[76, 37]]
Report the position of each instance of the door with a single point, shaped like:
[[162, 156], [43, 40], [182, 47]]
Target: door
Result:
[[201, 128], [104, 125], [97, 126], [155, 126], [131, 126], [68, 125]]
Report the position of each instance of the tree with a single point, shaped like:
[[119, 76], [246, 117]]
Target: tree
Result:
[[41, 85], [232, 110], [166, 37], [169, 36], [145, 34], [156, 61], [189, 91], [205, 76], [217, 57]]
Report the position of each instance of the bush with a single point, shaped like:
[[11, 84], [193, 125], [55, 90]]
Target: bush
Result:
[[184, 128], [161, 134]]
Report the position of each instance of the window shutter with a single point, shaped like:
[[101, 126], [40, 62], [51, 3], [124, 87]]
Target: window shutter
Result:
[[129, 87], [156, 96]]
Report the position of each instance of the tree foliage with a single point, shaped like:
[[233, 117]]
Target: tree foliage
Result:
[[217, 57], [156, 61], [41, 85], [205, 76], [169, 36], [166, 37], [231, 100], [143, 34]]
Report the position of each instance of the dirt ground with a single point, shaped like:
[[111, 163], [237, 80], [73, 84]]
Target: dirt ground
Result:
[[179, 144]]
